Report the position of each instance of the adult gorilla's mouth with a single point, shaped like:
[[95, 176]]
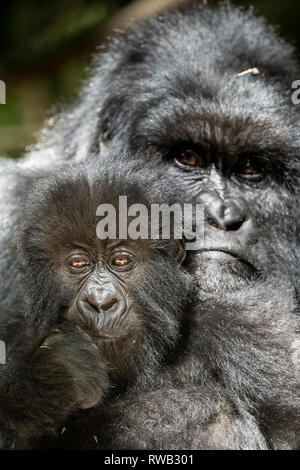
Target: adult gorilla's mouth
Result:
[[218, 254], [226, 255], [219, 269]]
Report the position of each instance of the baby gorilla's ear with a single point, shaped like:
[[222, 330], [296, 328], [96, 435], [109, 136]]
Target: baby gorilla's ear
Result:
[[181, 251]]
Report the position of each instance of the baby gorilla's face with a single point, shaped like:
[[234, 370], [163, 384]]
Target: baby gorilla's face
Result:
[[101, 277], [127, 294], [116, 292]]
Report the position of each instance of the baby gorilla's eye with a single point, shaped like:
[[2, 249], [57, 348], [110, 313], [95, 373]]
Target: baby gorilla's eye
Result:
[[187, 159], [79, 263], [121, 261], [250, 169]]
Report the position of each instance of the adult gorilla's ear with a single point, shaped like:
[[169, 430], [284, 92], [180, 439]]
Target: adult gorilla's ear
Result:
[[181, 251]]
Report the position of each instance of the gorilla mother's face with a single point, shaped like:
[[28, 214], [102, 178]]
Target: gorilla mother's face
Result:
[[244, 173], [241, 170]]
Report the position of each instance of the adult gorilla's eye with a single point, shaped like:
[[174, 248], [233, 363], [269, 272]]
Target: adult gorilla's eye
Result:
[[250, 169], [187, 159], [79, 263]]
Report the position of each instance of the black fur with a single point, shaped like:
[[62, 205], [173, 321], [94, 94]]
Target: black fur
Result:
[[52, 368], [218, 374], [230, 384], [167, 84]]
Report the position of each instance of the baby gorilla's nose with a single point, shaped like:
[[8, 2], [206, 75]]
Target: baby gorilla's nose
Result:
[[108, 303], [101, 306], [103, 300]]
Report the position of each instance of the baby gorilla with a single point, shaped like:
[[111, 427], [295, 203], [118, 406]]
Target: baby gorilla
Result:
[[171, 369], [99, 312]]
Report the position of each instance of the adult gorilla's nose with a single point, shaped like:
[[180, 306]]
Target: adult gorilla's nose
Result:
[[228, 215]]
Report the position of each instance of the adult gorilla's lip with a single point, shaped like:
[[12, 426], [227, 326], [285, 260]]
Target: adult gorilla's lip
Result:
[[225, 254], [217, 253]]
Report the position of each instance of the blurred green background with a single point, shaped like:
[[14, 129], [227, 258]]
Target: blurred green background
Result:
[[46, 46]]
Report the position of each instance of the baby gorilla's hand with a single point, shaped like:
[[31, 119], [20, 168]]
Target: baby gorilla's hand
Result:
[[78, 361], [63, 372]]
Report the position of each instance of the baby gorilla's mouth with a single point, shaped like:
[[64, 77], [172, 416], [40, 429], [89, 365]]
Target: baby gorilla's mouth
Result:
[[98, 336]]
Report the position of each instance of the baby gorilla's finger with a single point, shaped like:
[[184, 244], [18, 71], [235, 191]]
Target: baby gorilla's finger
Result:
[[74, 352], [85, 335], [54, 336]]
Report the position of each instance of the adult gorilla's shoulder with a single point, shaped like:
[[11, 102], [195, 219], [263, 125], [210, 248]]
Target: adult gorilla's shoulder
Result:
[[15, 180]]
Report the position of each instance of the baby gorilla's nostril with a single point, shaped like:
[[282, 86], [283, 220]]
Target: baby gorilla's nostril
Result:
[[108, 303], [103, 300], [99, 302]]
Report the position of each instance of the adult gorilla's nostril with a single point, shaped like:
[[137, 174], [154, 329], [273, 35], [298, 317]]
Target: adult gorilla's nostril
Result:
[[227, 215], [234, 215]]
